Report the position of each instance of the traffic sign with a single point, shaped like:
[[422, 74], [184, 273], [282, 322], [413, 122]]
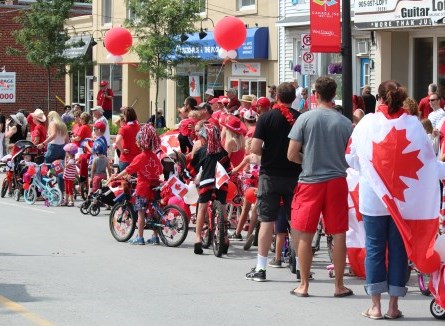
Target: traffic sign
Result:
[[308, 63], [305, 43]]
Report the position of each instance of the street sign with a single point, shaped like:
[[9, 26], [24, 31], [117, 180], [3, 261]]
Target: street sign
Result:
[[305, 43], [308, 63]]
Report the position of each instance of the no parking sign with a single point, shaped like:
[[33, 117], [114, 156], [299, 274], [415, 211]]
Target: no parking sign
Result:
[[308, 63]]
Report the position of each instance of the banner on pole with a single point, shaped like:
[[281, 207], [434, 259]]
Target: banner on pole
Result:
[[325, 26]]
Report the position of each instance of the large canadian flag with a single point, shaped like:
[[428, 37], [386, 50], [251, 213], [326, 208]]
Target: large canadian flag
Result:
[[397, 159]]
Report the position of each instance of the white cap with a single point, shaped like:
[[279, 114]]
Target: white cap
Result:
[[210, 91]]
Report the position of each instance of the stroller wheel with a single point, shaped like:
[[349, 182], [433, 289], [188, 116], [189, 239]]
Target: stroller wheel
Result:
[[84, 208], [17, 194], [94, 209], [437, 311]]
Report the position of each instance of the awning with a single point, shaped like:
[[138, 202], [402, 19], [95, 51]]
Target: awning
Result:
[[256, 46], [75, 49]]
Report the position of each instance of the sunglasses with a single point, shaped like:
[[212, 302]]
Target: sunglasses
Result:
[[433, 99]]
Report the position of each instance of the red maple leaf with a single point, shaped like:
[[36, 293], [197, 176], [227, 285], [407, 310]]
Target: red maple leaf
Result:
[[391, 163]]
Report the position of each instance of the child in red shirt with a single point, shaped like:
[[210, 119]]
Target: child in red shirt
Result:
[[187, 131], [148, 168]]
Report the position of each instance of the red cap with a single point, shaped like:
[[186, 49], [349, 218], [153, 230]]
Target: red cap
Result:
[[103, 83], [213, 100], [263, 102], [100, 125]]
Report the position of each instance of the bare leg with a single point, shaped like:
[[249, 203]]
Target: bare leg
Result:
[[375, 310], [393, 308], [141, 222], [253, 219], [339, 261], [243, 217], [202, 208], [305, 259], [265, 238], [280, 238]]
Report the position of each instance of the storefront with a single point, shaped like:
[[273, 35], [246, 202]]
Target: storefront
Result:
[[409, 42], [248, 72]]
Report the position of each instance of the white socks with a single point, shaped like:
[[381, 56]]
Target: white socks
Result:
[[261, 263]]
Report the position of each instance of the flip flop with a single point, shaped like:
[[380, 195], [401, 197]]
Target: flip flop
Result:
[[344, 294], [368, 315], [298, 294], [399, 315]]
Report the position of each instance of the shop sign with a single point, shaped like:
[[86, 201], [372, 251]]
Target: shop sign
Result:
[[7, 87], [389, 14], [325, 26], [246, 69]]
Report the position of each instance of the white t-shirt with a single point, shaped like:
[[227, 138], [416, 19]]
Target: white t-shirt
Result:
[[296, 103]]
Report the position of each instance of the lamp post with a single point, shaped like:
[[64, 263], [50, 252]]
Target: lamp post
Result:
[[346, 59], [202, 33]]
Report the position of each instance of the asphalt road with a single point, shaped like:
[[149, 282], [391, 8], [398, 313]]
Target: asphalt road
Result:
[[59, 267]]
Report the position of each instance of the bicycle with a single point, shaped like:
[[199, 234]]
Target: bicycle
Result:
[[215, 229], [170, 220], [44, 186]]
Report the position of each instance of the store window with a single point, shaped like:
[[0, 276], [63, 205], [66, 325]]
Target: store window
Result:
[[113, 74], [441, 65], [246, 4], [423, 66], [78, 84], [249, 87], [107, 11]]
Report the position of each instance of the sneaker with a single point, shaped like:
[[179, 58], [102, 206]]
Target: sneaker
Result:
[[137, 241], [249, 241], [198, 248], [154, 240], [235, 236], [275, 263], [259, 276], [299, 275]]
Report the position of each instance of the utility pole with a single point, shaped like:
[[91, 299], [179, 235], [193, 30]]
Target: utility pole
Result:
[[346, 59]]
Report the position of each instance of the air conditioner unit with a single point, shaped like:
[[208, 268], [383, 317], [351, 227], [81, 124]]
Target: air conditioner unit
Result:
[[362, 47]]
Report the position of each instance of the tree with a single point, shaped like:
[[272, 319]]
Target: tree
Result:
[[157, 25], [42, 38]]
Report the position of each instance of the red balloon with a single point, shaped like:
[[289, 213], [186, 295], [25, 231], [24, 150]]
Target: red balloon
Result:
[[231, 191], [26, 186], [250, 195], [118, 40], [230, 33]]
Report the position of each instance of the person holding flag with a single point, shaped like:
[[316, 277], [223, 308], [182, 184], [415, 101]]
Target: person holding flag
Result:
[[397, 167]]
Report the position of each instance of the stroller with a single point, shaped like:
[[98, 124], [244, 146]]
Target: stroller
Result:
[[16, 166], [101, 197]]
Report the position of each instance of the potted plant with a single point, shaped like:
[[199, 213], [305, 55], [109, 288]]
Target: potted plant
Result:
[[335, 68]]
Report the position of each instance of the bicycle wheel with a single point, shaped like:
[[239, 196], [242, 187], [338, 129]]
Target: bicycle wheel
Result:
[[330, 245], [30, 195], [437, 311], [94, 209], [218, 230], [17, 194], [55, 197], [174, 227], [84, 208], [206, 234], [122, 222], [5, 186], [423, 280]]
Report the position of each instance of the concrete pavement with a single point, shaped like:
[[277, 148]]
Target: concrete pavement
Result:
[[59, 267]]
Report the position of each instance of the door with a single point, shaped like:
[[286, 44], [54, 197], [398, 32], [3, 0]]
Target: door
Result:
[[89, 102], [364, 72]]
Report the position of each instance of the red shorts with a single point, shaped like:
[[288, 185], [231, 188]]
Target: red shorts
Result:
[[329, 198]]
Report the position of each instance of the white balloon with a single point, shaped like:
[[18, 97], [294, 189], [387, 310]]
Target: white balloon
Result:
[[114, 58], [232, 54], [222, 53], [192, 195], [439, 246]]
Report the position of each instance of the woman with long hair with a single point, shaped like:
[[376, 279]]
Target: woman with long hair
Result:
[[56, 139]]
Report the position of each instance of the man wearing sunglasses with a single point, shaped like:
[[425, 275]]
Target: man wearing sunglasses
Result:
[[438, 113]]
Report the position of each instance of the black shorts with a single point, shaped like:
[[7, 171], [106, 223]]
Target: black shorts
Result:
[[206, 196], [271, 190]]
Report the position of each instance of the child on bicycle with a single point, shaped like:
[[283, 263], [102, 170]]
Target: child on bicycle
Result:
[[148, 168], [69, 173], [206, 158]]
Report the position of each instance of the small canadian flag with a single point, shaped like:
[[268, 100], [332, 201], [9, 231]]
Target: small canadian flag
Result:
[[221, 175], [178, 188]]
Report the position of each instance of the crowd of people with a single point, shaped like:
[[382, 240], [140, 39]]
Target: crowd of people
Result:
[[283, 149]]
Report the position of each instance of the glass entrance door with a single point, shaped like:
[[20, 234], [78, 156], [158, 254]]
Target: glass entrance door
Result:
[[89, 103], [423, 66]]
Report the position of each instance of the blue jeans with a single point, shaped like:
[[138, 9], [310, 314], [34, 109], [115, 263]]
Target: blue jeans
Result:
[[54, 152], [381, 232]]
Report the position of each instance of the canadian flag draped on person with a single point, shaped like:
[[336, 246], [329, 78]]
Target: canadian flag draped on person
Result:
[[400, 166]]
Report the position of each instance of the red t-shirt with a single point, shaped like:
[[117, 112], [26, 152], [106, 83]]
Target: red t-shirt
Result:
[[103, 101], [83, 132], [31, 123], [187, 127], [82, 163], [148, 168], [128, 133], [40, 132]]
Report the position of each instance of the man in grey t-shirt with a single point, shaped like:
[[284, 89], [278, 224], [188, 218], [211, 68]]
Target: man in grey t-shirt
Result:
[[318, 141]]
